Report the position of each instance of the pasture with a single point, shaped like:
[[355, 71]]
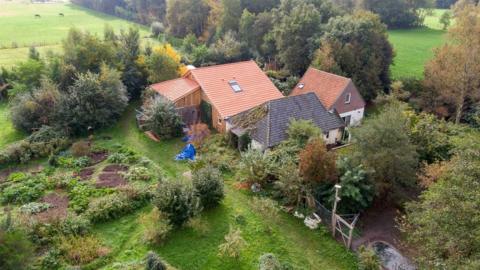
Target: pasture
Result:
[[22, 29], [414, 47]]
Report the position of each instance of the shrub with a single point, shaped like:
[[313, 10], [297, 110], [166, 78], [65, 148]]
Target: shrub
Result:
[[93, 101], [34, 208], [198, 225], [254, 166], [51, 260], [157, 28], [265, 207], [82, 250], [75, 225], [118, 158], [177, 201], [216, 151], [208, 186], [79, 195], [138, 173], [153, 262], [81, 162], [233, 244], [80, 149], [116, 205], [368, 260], [268, 261], [161, 117], [15, 249], [301, 131], [156, 225], [25, 191], [317, 165]]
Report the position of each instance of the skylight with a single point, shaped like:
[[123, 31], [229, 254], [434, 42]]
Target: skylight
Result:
[[235, 86], [301, 85]]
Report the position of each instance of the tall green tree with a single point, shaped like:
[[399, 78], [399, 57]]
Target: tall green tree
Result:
[[357, 46], [399, 13], [383, 146], [232, 11], [186, 17]]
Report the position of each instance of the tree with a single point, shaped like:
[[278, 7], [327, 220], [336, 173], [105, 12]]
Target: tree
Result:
[[208, 186], [15, 248], [186, 17], [154, 262], [30, 111], [357, 191], [227, 49], [232, 11], [161, 117], [399, 13], [317, 165], [296, 26], [357, 46], [383, 145], [258, 6], [177, 201], [446, 19], [444, 224], [134, 74], [164, 64], [26, 76], [93, 101], [87, 52], [452, 75], [301, 131], [254, 166]]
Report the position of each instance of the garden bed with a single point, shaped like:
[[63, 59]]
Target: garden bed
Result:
[[85, 173], [97, 157], [58, 207], [110, 179], [115, 168]]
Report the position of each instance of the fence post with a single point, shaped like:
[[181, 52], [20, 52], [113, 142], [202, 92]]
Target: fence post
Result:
[[334, 211]]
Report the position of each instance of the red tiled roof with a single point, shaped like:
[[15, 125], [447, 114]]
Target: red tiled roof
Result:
[[327, 86], [256, 87], [175, 89]]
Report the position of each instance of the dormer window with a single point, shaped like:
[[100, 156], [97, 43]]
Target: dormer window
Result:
[[235, 86], [348, 98], [301, 85]]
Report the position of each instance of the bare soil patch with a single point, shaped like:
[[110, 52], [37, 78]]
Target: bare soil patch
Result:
[[98, 157], [115, 168], [4, 174], [110, 179], [58, 209], [85, 173]]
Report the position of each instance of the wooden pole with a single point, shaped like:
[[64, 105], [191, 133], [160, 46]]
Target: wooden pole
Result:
[[334, 211]]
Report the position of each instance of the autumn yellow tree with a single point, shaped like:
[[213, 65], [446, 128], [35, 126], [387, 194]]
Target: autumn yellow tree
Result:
[[164, 63], [452, 75]]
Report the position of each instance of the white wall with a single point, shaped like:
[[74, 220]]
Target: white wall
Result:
[[256, 145], [356, 116], [333, 136]]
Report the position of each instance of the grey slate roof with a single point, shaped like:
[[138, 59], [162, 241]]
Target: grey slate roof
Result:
[[272, 129]]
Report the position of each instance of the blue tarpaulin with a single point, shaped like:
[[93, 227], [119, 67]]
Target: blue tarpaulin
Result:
[[188, 152]]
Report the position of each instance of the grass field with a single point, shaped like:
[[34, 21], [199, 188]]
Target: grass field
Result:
[[19, 27], [414, 47], [7, 133], [187, 248]]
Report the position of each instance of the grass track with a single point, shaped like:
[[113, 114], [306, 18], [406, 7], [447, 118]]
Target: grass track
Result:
[[7, 133]]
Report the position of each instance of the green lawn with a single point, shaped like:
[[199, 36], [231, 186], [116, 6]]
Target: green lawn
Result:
[[414, 47], [20, 28], [190, 249], [7, 133]]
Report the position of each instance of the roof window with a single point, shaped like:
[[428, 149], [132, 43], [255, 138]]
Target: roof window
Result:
[[235, 86], [301, 85]]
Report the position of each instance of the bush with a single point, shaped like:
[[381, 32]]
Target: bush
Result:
[[34, 208], [265, 207], [26, 191], [301, 131], [118, 158], [317, 165], [156, 225], [153, 262], [177, 201], [161, 117], [139, 173], [254, 166], [82, 250], [93, 101], [368, 260], [15, 249], [268, 261], [208, 186], [51, 260], [80, 149], [81, 162], [157, 28], [233, 245], [115, 205], [75, 225]]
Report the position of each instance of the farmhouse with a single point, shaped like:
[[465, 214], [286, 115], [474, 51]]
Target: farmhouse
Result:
[[267, 124], [219, 92], [336, 93]]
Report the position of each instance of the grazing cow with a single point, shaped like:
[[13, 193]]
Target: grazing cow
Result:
[[61, 14], [37, 16]]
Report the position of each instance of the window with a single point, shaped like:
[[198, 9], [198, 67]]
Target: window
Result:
[[301, 85], [219, 120], [347, 119], [348, 98], [235, 86], [327, 135]]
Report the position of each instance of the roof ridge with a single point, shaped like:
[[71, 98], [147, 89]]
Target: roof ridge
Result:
[[222, 65], [330, 73]]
